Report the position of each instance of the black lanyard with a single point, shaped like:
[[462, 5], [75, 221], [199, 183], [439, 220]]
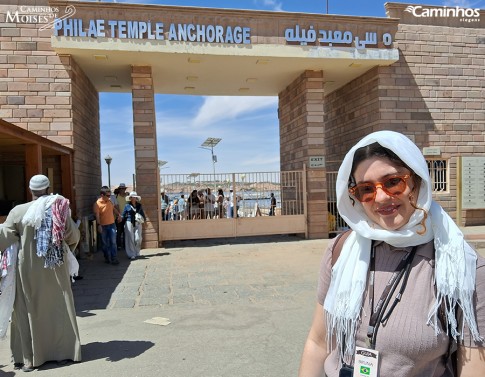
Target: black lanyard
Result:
[[377, 313]]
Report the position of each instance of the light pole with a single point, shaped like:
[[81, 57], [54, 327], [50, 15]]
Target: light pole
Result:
[[161, 165], [209, 144], [108, 160]]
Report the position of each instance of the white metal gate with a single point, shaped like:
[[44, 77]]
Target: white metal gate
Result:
[[335, 223], [245, 211]]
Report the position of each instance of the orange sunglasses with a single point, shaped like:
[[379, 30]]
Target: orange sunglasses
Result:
[[392, 186]]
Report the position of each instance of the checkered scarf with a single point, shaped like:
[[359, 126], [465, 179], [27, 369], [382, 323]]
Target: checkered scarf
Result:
[[48, 216]]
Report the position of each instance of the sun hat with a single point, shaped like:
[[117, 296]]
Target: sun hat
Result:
[[39, 182], [162, 191], [121, 186], [133, 194]]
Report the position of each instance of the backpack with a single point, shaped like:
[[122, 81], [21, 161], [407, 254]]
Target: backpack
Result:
[[452, 352], [337, 246]]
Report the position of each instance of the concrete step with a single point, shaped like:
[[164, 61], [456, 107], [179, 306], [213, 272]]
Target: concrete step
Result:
[[477, 241]]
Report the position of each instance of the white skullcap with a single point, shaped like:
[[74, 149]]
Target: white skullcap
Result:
[[39, 182]]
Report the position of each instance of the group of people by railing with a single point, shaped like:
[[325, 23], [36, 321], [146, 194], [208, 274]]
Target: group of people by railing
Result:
[[204, 204], [199, 204]]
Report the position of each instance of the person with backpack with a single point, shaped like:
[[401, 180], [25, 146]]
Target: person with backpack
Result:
[[404, 289]]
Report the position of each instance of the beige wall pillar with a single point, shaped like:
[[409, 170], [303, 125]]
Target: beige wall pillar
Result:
[[146, 154], [301, 119]]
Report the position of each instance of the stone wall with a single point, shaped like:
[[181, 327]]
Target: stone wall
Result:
[[146, 152], [50, 96], [440, 84], [87, 148], [301, 136], [351, 112], [435, 94]]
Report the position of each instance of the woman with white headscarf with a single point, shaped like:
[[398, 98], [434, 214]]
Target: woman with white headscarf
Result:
[[406, 286]]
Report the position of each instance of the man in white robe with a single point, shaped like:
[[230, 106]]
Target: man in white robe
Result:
[[44, 326]]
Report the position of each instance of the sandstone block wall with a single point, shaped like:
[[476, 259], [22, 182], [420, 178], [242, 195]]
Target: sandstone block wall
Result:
[[435, 94], [302, 134], [49, 95]]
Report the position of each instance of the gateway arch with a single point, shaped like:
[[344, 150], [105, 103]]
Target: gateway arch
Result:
[[337, 79], [300, 58]]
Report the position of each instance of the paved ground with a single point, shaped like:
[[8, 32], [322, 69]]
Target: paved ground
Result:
[[238, 309]]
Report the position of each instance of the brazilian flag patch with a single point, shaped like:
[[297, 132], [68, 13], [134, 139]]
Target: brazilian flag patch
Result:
[[365, 370]]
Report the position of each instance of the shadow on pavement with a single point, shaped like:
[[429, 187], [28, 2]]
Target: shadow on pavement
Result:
[[99, 281], [153, 255], [5, 374], [233, 241], [115, 350]]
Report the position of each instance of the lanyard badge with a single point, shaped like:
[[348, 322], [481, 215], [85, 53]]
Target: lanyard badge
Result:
[[366, 362]]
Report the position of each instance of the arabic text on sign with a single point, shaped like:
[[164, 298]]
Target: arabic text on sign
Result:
[[330, 37]]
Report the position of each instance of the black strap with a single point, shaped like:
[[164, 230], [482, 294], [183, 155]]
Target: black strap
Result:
[[452, 351], [378, 315]]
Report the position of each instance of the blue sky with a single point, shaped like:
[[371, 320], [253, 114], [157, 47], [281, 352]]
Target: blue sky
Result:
[[248, 126]]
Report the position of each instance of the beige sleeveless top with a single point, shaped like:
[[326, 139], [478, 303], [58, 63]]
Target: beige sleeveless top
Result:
[[408, 346]]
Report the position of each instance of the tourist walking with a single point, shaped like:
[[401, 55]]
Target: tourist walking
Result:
[[119, 203], [134, 217], [105, 211], [164, 199], [272, 206], [43, 323]]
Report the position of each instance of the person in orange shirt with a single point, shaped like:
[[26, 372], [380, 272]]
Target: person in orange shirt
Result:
[[105, 212]]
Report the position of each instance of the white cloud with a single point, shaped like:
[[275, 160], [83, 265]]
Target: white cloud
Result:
[[115, 117], [217, 109], [248, 128], [461, 3], [274, 5], [262, 160]]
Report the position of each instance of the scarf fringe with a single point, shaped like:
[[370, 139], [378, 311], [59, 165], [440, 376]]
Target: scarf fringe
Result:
[[343, 324], [455, 284], [451, 304]]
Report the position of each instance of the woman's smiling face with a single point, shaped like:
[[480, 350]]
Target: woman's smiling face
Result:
[[389, 212]]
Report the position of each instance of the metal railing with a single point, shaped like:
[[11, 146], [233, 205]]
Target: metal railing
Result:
[[251, 195], [335, 223]]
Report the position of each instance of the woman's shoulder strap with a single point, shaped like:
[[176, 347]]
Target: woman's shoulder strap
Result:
[[337, 246]]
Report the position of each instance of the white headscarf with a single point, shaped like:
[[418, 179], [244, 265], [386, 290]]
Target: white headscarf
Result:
[[455, 259]]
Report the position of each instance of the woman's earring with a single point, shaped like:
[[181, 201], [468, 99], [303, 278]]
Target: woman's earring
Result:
[[411, 198]]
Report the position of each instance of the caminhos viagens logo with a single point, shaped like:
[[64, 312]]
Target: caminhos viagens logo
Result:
[[464, 14], [46, 15]]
